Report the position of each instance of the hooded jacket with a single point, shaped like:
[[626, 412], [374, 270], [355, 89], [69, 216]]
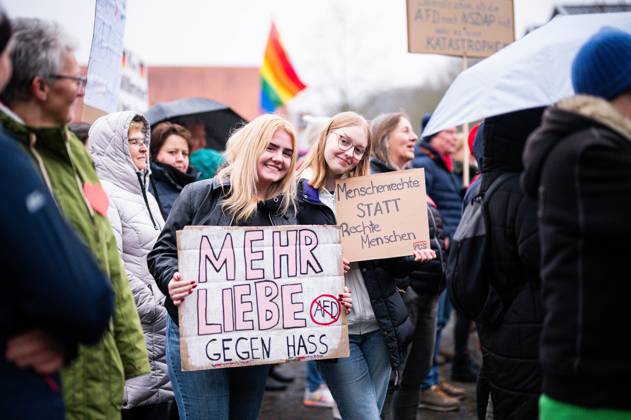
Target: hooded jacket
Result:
[[92, 385], [442, 185], [137, 222], [510, 325], [578, 167]]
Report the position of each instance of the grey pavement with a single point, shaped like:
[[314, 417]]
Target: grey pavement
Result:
[[287, 405]]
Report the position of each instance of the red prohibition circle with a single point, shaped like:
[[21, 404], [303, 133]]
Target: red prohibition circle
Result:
[[315, 302]]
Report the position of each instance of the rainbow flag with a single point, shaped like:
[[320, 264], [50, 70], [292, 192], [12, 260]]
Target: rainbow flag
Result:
[[279, 82]]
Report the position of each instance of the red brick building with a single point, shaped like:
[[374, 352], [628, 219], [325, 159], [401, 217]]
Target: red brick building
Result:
[[237, 87]]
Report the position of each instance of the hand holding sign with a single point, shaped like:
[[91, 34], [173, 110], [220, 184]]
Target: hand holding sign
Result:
[[179, 289], [346, 265], [424, 255], [383, 215], [261, 295], [346, 300]]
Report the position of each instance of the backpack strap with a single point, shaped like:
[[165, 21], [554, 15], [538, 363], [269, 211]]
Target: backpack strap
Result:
[[497, 182]]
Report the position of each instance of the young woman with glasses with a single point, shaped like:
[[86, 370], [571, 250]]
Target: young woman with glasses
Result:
[[379, 328]]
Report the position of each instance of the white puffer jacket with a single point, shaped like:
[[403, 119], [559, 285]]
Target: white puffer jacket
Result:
[[136, 219]]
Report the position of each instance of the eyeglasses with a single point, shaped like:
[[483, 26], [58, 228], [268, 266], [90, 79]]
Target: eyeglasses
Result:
[[345, 143], [80, 81], [136, 142]]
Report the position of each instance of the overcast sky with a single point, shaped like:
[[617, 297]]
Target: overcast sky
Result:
[[373, 55], [233, 32]]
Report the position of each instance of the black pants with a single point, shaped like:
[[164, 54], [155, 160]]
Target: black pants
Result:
[[404, 400], [162, 411]]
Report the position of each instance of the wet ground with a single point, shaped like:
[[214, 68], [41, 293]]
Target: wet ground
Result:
[[287, 405]]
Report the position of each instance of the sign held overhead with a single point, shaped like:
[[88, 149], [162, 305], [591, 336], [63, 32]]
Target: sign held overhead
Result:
[[463, 28]]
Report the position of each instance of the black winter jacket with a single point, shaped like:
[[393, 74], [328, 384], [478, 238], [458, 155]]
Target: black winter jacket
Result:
[[167, 183], [427, 279], [387, 304], [510, 329], [442, 185], [199, 205], [578, 166]]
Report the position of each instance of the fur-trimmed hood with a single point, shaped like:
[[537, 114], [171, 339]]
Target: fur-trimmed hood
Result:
[[566, 118]]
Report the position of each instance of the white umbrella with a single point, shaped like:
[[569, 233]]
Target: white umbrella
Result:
[[531, 72]]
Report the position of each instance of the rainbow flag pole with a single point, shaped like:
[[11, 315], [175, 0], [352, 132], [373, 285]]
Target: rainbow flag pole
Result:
[[279, 81]]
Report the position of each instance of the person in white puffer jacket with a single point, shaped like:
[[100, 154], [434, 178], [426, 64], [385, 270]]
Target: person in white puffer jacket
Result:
[[119, 144]]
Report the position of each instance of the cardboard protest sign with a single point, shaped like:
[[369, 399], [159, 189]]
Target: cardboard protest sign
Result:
[[383, 215], [134, 88], [464, 28], [264, 295], [104, 65]]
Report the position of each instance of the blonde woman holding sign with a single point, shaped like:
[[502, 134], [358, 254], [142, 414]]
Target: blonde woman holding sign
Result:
[[379, 328], [256, 188]]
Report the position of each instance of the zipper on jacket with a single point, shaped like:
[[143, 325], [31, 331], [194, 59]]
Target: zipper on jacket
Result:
[[144, 196], [157, 196]]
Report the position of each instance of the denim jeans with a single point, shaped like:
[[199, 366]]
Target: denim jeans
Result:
[[359, 382], [442, 318], [234, 393], [314, 379]]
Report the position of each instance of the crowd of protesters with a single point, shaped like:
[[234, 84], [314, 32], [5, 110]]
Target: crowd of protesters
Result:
[[90, 326]]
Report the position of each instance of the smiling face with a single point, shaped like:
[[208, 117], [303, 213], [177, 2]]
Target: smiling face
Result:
[[272, 165], [401, 143], [344, 149], [174, 152], [137, 148]]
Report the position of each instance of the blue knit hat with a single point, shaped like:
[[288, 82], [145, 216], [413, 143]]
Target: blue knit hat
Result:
[[602, 67]]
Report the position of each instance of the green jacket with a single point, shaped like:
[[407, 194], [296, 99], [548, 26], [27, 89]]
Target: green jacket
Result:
[[93, 384]]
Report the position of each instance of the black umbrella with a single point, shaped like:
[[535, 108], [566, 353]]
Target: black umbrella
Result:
[[218, 119]]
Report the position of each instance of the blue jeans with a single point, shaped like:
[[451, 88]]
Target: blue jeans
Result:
[[442, 318], [359, 382], [234, 393], [314, 379]]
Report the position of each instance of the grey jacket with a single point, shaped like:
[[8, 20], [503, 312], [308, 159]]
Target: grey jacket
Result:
[[137, 221]]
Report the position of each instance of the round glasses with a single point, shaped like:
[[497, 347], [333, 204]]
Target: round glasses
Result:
[[136, 142], [80, 81], [345, 144]]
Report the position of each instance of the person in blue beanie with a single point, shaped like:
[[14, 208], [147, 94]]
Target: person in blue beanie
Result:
[[578, 167]]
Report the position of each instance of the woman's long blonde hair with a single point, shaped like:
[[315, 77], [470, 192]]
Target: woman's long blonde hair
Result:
[[315, 159], [242, 152]]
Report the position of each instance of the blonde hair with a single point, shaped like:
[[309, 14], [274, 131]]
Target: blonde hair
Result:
[[315, 159], [381, 127], [242, 152], [138, 123]]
